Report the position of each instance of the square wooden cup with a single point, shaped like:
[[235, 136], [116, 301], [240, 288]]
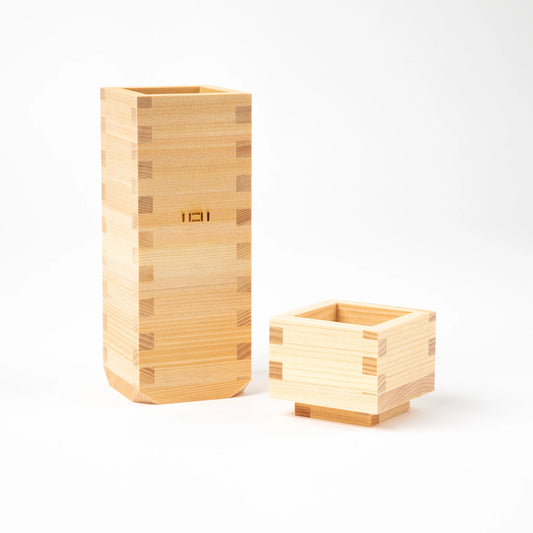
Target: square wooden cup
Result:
[[352, 362]]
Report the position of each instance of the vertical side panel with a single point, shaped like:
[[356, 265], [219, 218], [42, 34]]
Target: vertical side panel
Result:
[[407, 351], [119, 239]]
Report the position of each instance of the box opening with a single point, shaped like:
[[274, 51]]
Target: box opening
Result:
[[173, 90], [360, 315]]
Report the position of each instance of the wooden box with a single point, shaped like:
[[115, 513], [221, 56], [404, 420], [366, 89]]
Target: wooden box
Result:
[[352, 362], [176, 195]]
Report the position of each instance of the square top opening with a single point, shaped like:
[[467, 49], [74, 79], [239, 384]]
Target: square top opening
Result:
[[361, 315], [178, 90]]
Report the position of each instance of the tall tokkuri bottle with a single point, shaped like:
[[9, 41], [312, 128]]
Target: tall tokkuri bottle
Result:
[[176, 222]]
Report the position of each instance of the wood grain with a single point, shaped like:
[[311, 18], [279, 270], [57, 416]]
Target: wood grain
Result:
[[348, 417], [409, 391], [275, 370], [276, 335], [176, 195], [370, 366]]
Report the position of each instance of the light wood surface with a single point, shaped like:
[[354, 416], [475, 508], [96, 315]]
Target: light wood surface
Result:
[[352, 357], [176, 197], [348, 417]]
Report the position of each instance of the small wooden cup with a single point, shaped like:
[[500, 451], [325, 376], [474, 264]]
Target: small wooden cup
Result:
[[351, 362]]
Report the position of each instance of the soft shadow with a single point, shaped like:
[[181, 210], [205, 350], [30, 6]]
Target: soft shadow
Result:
[[442, 410]]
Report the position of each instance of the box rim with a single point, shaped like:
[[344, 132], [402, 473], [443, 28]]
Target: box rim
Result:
[[218, 91], [377, 328]]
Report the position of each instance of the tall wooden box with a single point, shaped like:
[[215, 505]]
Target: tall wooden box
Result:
[[176, 195], [351, 362]]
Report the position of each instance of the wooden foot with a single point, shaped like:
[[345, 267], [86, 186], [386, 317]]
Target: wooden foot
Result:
[[348, 417]]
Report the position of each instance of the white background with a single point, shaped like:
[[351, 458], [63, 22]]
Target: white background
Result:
[[392, 164]]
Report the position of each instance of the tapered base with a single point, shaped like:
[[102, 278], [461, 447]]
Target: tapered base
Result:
[[348, 417], [183, 393], [125, 388]]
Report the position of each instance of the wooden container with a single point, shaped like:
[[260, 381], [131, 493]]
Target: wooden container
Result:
[[351, 362], [176, 195]]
